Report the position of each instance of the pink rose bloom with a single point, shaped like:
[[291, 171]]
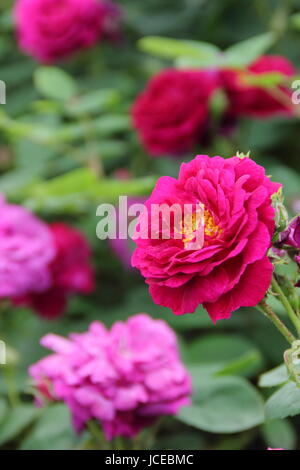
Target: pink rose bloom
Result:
[[255, 101], [172, 114], [50, 30], [231, 269], [70, 272], [26, 249], [124, 378]]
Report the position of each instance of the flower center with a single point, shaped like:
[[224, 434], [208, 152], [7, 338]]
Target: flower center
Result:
[[190, 226], [197, 226], [211, 229]]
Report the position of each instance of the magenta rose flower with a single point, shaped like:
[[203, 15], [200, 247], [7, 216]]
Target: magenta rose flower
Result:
[[172, 114], [255, 101], [124, 378], [231, 268], [50, 30], [70, 273], [26, 249]]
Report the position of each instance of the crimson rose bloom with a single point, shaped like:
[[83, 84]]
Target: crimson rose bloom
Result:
[[50, 30], [71, 272], [252, 100], [232, 269], [171, 115]]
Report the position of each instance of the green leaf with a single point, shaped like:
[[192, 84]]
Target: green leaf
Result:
[[207, 348], [106, 149], [245, 52], [174, 48], [3, 408], [201, 374], [14, 183], [76, 181], [264, 80], [93, 102], [53, 431], [194, 62], [103, 126], [74, 191], [84, 180], [295, 21], [239, 355], [274, 377], [6, 21], [285, 175], [247, 364], [111, 189], [224, 405], [284, 402], [20, 384], [39, 155], [55, 83], [279, 433], [17, 73], [17, 420]]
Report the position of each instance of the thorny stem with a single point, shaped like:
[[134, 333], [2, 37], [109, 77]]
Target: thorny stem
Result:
[[283, 299], [268, 312]]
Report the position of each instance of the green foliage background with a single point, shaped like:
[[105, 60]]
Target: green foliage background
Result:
[[63, 134]]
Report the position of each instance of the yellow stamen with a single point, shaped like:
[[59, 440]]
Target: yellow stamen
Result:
[[211, 229], [193, 224], [189, 228]]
